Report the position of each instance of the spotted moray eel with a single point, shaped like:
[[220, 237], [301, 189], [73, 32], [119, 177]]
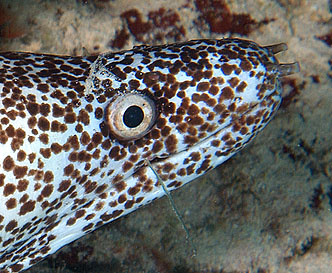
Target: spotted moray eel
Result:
[[76, 133]]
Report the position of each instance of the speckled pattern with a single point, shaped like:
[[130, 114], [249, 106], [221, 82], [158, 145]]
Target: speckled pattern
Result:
[[66, 169]]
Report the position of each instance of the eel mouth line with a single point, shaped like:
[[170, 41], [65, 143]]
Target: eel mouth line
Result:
[[157, 160]]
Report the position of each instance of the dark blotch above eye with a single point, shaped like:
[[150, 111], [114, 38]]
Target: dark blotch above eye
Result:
[[133, 116]]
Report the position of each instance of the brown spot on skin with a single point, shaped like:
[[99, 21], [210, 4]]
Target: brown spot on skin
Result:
[[33, 108], [182, 172], [79, 128], [43, 87], [101, 189], [191, 140], [2, 179], [48, 177], [245, 65], [74, 143], [168, 167], [37, 176], [22, 185], [10, 131], [21, 155], [83, 156], [215, 143], [127, 166], [133, 191], [233, 82], [157, 147], [45, 109], [97, 138], [250, 120], [244, 130], [11, 203], [57, 111], [243, 108], [171, 142], [114, 152], [3, 138], [71, 221], [106, 145], [73, 156], [203, 86], [87, 227], [8, 163], [47, 190], [195, 156], [113, 204], [129, 204], [44, 138], [68, 170], [46, 153], [11, 225], [8, 102], [56, 148], [70, 118], [4, 121], [55, 126], [20, 133], [122, 198], [166, 131], [43, 124], [32, 121], [226, 93], [193, 110], [192, 130], [214, 90], [83, 117], [90, 216], [27, 207], [80, 213], [32, 157], [90, 186], [241, 87], [194, 120], [16, 144], [228, 68], [64, 185], [155, 133], [120, 186], [9, 189]]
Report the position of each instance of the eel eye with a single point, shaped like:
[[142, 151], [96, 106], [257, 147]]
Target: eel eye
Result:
[[130, 116]]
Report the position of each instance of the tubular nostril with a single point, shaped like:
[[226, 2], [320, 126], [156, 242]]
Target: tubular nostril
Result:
[[288, 69], [274, 49], [284, 69]]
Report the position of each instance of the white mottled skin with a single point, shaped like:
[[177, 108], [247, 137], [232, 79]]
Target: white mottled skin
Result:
[[58, 232]]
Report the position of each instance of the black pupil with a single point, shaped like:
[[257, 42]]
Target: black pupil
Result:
[[133, 116]]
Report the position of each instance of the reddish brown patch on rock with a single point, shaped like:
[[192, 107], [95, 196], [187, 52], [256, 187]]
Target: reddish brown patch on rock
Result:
[[160, 24], [326, 38], [292, 89], [217, 15]]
